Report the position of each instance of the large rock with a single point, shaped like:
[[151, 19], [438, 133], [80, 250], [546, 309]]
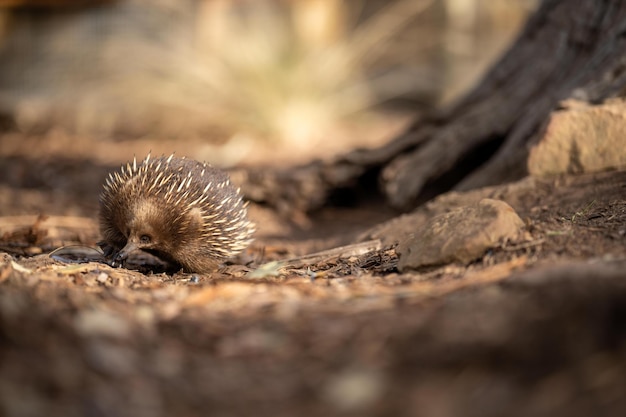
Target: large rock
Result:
[[461, 235], [582, 138]]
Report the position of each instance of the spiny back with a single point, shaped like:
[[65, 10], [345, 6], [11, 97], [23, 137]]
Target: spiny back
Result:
[[174, 207]]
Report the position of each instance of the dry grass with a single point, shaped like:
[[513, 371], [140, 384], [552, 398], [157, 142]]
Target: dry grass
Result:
[[283, 72], [298, 73]]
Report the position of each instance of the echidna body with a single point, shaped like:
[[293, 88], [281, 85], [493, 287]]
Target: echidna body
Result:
[[183, 211]]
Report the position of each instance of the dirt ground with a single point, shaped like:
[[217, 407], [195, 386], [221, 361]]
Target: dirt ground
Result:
[[535, 327]]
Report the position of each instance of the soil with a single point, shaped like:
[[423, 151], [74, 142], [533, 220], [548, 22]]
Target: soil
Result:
[[534, 327]]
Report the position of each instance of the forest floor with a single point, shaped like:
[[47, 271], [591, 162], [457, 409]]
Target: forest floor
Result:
[[534, 327]]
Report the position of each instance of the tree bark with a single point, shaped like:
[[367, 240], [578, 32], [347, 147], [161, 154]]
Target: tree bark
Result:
[[568, 49]]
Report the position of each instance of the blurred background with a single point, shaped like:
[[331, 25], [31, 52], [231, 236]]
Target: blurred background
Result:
[[235, 81]]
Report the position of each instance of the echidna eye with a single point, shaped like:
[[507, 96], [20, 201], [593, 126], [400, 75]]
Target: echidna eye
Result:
[[145, 239]]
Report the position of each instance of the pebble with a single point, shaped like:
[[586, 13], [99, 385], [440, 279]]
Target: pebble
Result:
[[90, 323]]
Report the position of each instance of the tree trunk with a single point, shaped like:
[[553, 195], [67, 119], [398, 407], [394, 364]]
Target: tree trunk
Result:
[[568, 49]]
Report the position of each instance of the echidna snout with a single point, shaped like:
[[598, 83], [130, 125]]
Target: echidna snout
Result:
[[143, 231], [183, 211]]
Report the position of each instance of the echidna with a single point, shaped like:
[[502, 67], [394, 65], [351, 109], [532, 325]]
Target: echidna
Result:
[[184, 212]]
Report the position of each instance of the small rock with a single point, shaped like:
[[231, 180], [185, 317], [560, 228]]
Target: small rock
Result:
[[33, 250], [91, 323], [461, 235], [110, 358], [102, 278], [354, 390]]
